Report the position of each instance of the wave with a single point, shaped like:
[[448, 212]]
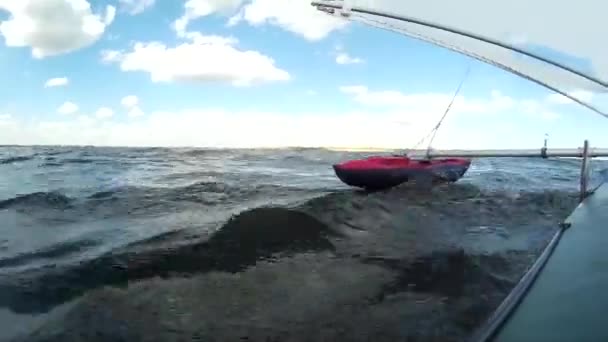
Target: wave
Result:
[[78, 161], [194, 175], [54, 162], [247, 238], [348, 265], [136, 201], [446, 273], [53, 200], [336, 208], [402, 224], [465, 203], [49, 156], [53, 252], [441, 296], [11, 160], [200, 152]]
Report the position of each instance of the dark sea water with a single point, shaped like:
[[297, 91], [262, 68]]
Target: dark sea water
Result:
[[147, 244]]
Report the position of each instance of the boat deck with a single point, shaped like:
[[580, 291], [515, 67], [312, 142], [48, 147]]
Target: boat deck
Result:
[[569, 299]]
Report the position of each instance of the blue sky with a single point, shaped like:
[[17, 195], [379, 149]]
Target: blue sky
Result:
[[253, 73]]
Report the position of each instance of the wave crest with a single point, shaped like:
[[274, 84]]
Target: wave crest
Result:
[[51, 199], [251, 236]]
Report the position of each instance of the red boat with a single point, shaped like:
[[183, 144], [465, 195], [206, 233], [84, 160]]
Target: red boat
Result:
[[378, 172]]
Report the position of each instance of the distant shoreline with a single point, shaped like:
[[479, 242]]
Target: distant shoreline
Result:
[[329, 148], [278, 148]]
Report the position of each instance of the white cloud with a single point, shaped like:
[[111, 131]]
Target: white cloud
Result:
[[345, 58], [135, 7], [67, 108], [388, 119], [194, 9], [430, 106], [104, 113], [296, 16], [209, 127], [56, 82], [204, 59], [135, 112], [53, 27], [429, 103], [582, 95], [5, 117], [109, 56], [129, 101], [110, 15], [537, 108]]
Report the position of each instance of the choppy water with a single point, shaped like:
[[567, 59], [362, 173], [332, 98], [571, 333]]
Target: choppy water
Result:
[[264, 244]]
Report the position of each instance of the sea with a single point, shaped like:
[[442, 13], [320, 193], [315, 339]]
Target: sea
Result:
[[187, 244]]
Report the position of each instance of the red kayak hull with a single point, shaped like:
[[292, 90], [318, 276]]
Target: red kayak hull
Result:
[[384, 172]]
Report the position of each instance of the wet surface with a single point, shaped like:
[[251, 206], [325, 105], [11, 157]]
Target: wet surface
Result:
[[231, 253]]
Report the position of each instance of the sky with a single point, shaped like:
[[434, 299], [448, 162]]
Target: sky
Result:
[[255, 73]]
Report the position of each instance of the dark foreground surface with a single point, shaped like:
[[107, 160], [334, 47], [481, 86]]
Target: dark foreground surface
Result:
[[567, 301], [179, 245]]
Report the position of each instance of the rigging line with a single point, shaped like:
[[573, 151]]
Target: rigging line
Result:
[[422, 140], [434, 130], [447, 110]]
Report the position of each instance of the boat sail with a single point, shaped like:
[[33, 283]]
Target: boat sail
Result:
[[552, 44]]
